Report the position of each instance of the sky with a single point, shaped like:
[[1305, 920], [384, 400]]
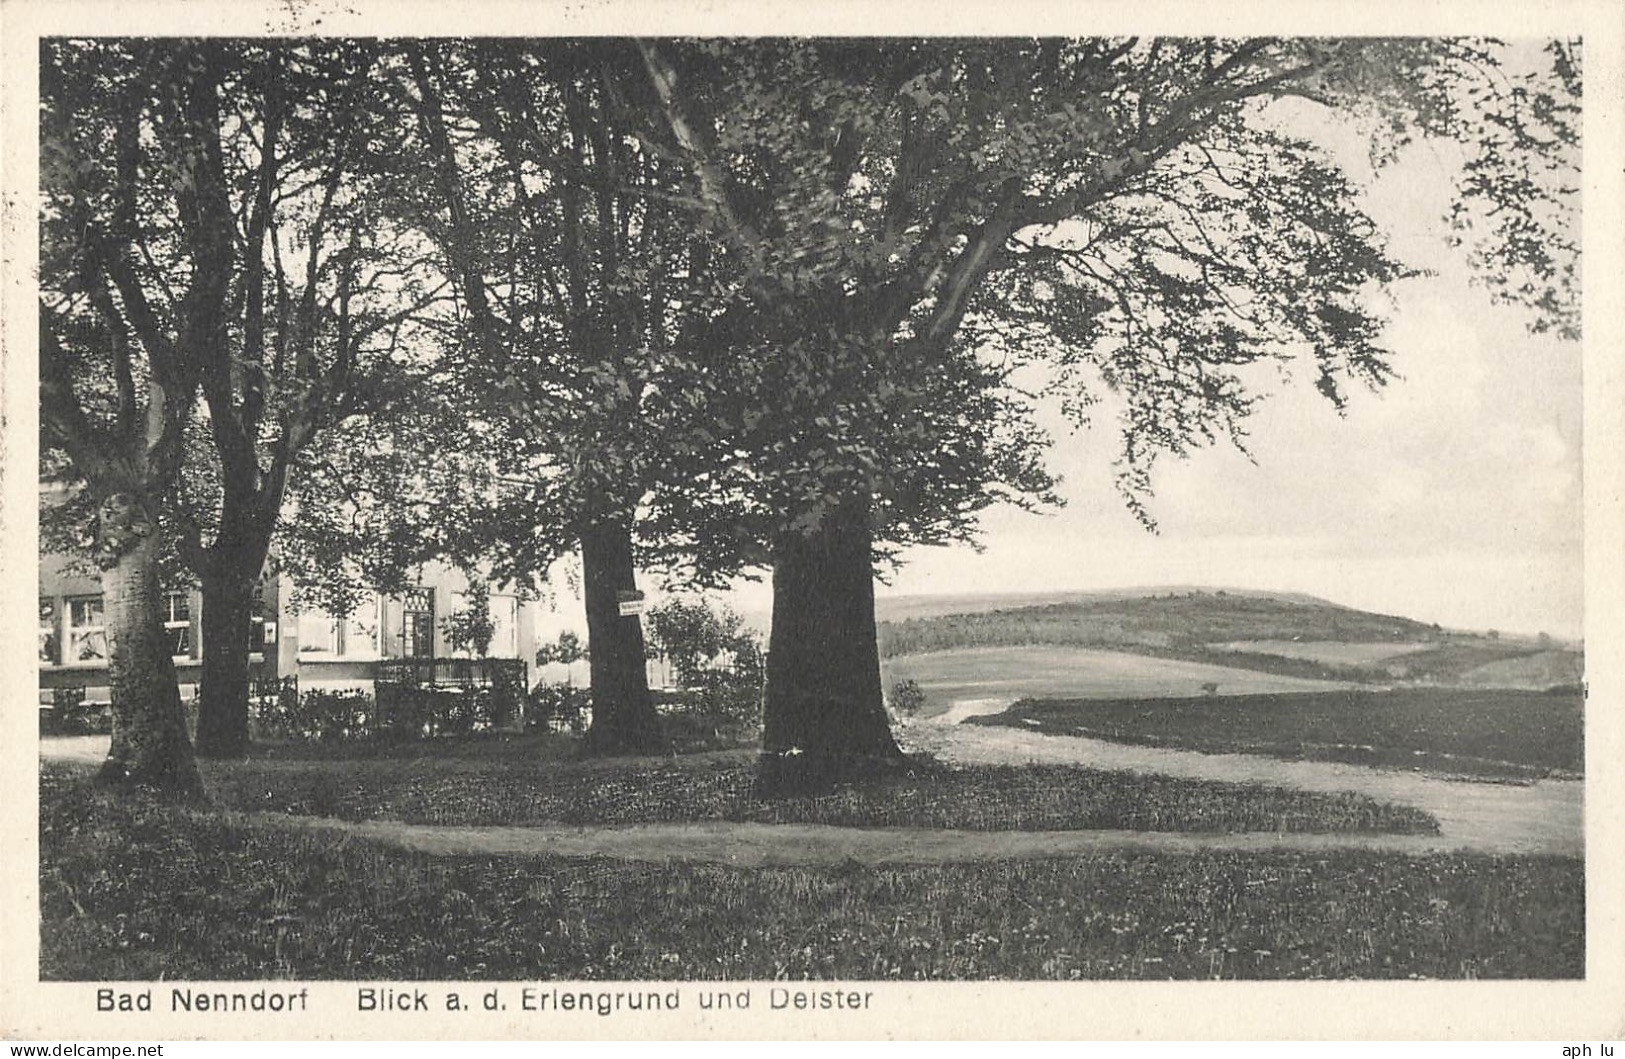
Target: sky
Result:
[[1453, 496]]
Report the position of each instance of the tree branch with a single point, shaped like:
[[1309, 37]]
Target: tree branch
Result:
[[95, 456]]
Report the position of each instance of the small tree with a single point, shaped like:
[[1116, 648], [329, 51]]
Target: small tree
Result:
[[690, 635], [470, 628], [566, 650]]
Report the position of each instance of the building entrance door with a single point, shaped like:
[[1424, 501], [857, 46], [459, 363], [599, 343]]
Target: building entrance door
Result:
[[417, 624]]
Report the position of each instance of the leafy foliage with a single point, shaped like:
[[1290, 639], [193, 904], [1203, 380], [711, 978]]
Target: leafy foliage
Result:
[[316, 714], [573, 272], [720, 710], [565, 650], [411, 711], [400, 711]]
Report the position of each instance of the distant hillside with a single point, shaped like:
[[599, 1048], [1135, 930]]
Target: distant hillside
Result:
[[901, 608], [1187, 618], [1286, 634]]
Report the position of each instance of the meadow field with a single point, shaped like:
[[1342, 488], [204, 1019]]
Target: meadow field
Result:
[[1492, 732], [1331, 652], [1011, 673]]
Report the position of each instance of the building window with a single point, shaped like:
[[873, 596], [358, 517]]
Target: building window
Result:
[[50, 640], [355, 636], [505, 627], [178, 623], [361, 631], [318, 632], [87, 631], [256, 622]]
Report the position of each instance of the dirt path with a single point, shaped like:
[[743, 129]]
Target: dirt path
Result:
[[748, 845]]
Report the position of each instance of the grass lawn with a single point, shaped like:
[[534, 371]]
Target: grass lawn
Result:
[[1491, 733], [511, 788], [135, 890]]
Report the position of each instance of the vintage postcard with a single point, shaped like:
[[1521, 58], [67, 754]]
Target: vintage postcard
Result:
[[738, 521]]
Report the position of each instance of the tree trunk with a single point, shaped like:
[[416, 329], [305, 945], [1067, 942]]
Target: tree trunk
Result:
[[150, 747], [228, 578], [623, 715], [824, 716]]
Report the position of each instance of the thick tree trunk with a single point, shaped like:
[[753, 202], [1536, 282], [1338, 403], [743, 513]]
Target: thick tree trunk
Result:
[[824, 718], [228, 581], [150, 747], [623, 714]]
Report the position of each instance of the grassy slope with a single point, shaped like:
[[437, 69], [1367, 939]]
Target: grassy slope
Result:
[[511, 790], [1327, 652], [1543, 669], [1455, 730], [134, 891]]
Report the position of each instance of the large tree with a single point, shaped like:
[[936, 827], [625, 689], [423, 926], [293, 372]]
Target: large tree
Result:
[[1127, 216], [131, 296], [323, 294], [576, 272], [310, 295]]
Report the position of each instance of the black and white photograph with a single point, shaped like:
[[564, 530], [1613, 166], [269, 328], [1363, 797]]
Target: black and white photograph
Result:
[[602, 521]]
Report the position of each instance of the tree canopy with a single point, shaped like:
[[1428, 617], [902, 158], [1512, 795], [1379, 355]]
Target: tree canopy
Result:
[[918, 221]]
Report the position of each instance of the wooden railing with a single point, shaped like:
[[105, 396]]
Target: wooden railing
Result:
[[453, 672]]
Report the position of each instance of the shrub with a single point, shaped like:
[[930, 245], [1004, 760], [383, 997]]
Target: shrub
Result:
[[275, 707], [71, 715], [507, 690], [558, 708], [567, 650], [318, 714], [412, 711], [723, 709], [729, 696], [402, 711], [698, 640], [907, 697]]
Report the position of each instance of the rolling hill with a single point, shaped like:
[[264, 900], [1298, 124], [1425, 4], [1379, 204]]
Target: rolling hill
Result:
[[1286, 634]]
